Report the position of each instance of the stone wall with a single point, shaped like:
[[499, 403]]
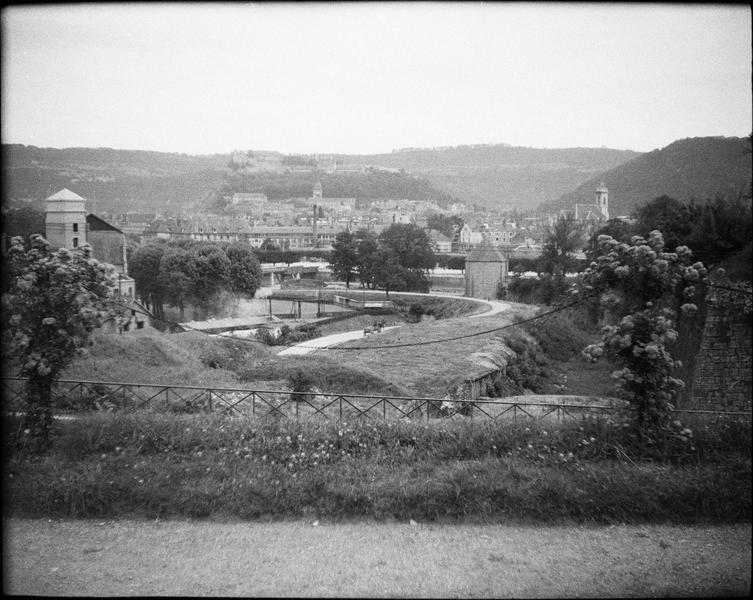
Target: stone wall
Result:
[[482, 279], [722, 379]]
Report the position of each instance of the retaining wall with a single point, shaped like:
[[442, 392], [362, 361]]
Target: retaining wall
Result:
[[722, 379]]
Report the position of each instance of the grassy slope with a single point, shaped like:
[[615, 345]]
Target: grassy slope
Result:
[[185, 466], [430, 370], [154, 357]]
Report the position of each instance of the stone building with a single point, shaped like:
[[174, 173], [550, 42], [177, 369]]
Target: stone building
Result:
[[67, 225], [598, 210], [65, 219], [485, 268]]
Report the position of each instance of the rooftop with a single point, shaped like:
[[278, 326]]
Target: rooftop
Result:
[[65, 194]]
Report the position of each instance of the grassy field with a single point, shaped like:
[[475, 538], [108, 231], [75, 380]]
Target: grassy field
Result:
[[435, 369], [179, 466], [539, 360]]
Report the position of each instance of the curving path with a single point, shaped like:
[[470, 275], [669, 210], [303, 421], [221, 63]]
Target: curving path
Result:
[[309, 346]]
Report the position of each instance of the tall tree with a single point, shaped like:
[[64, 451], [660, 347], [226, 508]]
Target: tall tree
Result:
[[54, 301], [212, 276], [344, 257], [144, 267], [564, 239], [245, 270], [386, 271], [411, 245], [366, 245], [672, 217], [177, 272]]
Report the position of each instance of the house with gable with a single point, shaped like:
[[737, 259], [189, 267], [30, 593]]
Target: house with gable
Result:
[[67, 225]]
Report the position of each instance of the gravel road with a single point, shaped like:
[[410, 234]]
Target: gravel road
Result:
[[295, 558]]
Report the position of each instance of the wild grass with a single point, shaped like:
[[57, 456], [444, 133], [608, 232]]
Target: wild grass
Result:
[[187, 466], [325, 374], [189, 358]]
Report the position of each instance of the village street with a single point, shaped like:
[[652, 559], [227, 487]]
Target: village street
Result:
[[369, 559]]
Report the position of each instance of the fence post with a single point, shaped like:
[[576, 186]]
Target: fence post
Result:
[[210, 401]]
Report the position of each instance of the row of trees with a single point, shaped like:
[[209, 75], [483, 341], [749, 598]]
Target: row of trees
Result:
[[398, 259], [203, 274]]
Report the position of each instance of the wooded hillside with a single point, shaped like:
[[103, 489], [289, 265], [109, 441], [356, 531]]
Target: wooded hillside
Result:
[[693, 168]]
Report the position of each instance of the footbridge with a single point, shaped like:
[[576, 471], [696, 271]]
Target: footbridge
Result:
[[273, 273]]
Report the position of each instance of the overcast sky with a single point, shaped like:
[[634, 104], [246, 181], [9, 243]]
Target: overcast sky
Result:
[[368, 78]]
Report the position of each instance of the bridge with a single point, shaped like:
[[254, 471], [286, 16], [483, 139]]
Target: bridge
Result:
[[277, 273], [346, 302]]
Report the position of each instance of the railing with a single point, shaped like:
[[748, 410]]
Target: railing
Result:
[[75, 396]]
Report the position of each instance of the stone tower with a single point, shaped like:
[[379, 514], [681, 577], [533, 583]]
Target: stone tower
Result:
[[317, 190], [485, 269], [602, 200], [65, 219]]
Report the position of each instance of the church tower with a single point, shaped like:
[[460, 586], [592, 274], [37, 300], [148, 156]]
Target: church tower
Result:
[[65, 220], [602, 200]]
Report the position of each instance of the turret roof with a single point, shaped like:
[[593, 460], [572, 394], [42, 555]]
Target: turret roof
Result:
[[65, 194]]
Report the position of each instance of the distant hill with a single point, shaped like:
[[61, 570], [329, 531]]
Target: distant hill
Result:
[[499, 175], [692, 168], [119, 180]]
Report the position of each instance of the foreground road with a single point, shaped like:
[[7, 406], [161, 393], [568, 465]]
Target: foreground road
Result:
[[121, 558]]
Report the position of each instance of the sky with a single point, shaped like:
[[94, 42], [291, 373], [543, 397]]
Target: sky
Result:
[[373, 77]]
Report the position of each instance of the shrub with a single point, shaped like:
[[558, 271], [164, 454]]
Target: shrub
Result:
[[300, 383]]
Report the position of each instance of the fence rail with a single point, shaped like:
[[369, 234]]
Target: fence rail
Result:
[[78, 395]]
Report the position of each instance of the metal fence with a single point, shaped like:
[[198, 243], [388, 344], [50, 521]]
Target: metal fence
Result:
[[75, 396]]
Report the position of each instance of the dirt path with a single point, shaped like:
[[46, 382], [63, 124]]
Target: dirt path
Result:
[[111, 558], [310, 346]]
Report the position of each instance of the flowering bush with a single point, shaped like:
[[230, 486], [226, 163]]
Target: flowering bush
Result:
[[52, 301], [647, 289]]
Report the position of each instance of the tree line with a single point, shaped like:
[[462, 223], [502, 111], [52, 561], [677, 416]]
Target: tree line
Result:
[[396, 260], [205, 275]]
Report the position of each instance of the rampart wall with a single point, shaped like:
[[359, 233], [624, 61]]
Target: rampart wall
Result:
[[722, 379]]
